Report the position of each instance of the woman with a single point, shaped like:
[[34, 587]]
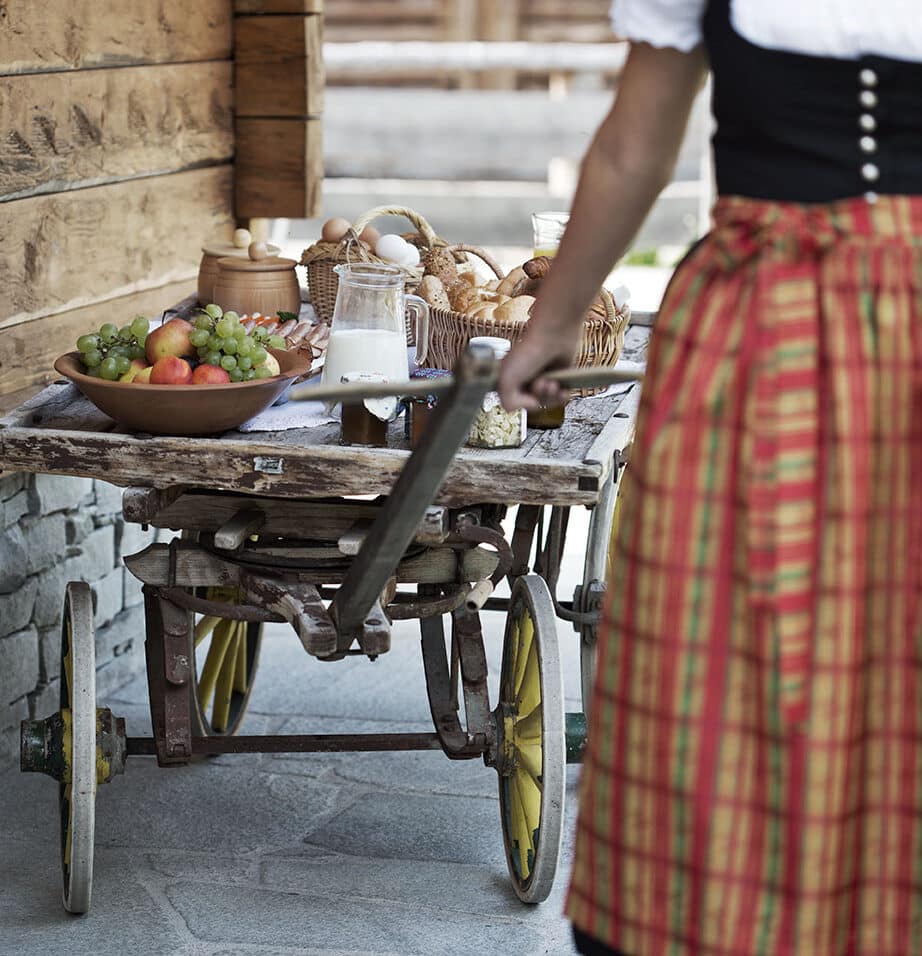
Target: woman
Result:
[[753, 783]]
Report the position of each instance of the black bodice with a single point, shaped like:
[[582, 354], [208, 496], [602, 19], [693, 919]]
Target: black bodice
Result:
[[800, 128]]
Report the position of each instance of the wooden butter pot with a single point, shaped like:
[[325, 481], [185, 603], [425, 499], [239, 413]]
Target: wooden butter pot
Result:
[[267, 285], [208, 266]]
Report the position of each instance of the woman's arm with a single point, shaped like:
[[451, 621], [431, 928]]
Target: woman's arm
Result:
[[628, 163]]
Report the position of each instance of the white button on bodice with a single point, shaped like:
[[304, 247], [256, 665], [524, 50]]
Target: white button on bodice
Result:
[[870, 173], [868, 77], [868, 99], [867, 122], [868, 144]]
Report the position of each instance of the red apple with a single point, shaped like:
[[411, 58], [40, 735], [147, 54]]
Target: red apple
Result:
[[171, 371], [137, 366], [210, 375], [172, 338], [143, 377]]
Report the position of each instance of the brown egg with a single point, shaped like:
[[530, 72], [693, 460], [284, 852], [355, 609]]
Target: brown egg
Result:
[[370, 235], [334, 229]]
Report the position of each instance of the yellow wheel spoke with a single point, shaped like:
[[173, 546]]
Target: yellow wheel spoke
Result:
[[205, 627], [224, 686], [240, 673], [530, 757], [521, 834], [528, 693], [511, 650], [528, 728], [524, 642], [220, 640], [530, 796]]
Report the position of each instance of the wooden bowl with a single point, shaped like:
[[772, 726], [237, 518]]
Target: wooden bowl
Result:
[[184, 409]]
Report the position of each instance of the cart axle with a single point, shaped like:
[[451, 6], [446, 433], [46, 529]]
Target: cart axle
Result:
[[294, 743]]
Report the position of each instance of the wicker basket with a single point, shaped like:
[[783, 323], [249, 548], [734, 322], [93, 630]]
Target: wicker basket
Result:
[[321, 257], [600, 344]]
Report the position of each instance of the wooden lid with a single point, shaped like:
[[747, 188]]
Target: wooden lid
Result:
[[270, 264], [221, 249]]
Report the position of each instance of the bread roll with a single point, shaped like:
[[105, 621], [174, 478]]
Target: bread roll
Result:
[[464, 298], [511, 281], [484, 312], [538, 267], [469, 277], [432, 290], [515, 310], [492, 285], [438, 261]]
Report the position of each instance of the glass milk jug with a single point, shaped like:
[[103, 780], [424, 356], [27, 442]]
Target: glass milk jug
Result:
[[368, 332]]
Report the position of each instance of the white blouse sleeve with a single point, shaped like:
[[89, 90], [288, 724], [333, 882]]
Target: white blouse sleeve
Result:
[[673, 23]]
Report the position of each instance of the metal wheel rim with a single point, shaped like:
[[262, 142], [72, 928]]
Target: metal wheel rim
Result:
[[595, 568], [532, 867], [77, 799]]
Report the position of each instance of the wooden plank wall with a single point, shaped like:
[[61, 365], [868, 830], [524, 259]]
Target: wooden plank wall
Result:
[[116, 150], [540, 21]]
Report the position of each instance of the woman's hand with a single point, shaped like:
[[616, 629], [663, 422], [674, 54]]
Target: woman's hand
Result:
[[541, 349]]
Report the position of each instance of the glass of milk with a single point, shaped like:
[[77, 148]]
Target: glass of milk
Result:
[[368, 332]]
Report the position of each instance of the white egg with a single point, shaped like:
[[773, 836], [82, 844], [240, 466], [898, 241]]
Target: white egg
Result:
[[392, 247], [412, 256]]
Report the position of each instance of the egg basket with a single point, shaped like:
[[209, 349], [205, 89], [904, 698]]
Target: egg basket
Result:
[[600, 344], [322, 256]]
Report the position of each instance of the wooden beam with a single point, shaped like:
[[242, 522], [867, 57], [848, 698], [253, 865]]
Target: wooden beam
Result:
[[83, 34], [278, 6], [279, 168], [71, 130], [65, 251], [279, 66], [28, 350]]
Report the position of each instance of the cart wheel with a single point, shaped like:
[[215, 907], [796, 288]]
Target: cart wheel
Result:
[[532, 757], [226, 657], [595, 573], [77, 792]]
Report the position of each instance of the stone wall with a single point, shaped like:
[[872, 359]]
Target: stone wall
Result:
[[54, 530]]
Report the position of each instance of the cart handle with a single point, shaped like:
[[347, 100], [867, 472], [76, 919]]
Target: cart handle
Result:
[[595, 377]]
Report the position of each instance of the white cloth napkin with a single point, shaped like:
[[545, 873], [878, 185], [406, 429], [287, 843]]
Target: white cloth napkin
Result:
[[279, 418]]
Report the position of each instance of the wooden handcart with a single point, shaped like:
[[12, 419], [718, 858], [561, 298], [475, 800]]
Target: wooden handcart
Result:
[[339, 542]]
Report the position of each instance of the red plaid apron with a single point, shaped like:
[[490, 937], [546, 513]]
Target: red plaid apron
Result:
[[753, 781]]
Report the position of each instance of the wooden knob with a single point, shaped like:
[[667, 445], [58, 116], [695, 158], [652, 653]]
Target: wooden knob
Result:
[[258, 250], [242, 238]]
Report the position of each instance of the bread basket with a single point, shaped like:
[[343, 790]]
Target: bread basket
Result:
[[601, 341], [321, 257]]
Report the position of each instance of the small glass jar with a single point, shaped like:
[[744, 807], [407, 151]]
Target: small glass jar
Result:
[[360, 426], [547, 417], [493, 426], [421, 407]]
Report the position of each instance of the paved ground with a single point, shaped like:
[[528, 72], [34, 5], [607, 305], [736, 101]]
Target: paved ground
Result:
[[321, 854]]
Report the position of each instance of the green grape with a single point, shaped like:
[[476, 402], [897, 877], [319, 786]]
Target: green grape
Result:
[[122, 364], [107, 332], [108, 369], [223, 328], [263, 372], [276, 342], [249, 375], [199, 338], [240, 333], [230, 346], [204, 322], [214, 311], [116, 350], [228, 362], [244, 362], [136, 353], [235, 375], [93, 372], [215, 342], [260, 334], [231, 316], [139, 326], [259, 356], [245, 346], [86, 343], [92, 358], [203, 353], [213, 358], [125, 333]]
